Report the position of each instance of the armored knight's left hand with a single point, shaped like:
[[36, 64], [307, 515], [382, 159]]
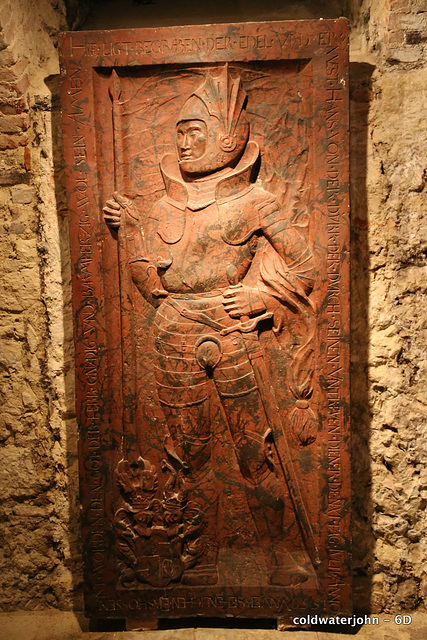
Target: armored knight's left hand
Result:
[[241, 300]]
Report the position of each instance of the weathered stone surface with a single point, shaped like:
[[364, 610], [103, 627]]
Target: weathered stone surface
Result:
[[389, 275], [37, 556], [389, 203], [22, 194]]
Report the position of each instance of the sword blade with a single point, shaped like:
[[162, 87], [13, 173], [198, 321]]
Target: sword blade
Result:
[[281, 445]]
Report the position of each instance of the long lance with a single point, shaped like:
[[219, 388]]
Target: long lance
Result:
[[115, 90], [247, 328]]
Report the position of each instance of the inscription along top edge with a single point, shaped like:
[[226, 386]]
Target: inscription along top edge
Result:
[[218, 42]]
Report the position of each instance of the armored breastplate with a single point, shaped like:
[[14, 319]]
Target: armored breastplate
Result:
[[237, 200]]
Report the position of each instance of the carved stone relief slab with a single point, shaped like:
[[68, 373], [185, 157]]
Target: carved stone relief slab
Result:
[[207, 172]]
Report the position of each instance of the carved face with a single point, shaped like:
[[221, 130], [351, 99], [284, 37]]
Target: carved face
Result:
[[202, 145], [191, 137]]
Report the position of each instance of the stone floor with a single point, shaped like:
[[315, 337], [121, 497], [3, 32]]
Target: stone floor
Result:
[[56, 625]]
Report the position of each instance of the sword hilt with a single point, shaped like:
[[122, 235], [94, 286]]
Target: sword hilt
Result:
[[246, 324]]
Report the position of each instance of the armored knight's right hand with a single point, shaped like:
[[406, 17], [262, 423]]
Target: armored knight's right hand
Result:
[[114, 208], [120, 209]]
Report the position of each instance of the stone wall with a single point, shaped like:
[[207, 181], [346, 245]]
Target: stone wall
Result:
[[389, 243], [40, 563]]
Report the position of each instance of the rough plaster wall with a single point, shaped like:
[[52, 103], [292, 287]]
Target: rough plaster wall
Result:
[[38, 473], [39, 562], [389, 198]]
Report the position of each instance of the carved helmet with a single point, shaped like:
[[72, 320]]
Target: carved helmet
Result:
[[219, 103]]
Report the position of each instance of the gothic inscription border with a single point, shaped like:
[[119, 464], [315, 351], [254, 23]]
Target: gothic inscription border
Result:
[[85, 58]]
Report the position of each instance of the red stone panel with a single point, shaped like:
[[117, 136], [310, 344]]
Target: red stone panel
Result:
[[207, 172]]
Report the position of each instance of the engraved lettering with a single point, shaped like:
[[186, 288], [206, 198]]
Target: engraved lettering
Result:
[[223, 301]]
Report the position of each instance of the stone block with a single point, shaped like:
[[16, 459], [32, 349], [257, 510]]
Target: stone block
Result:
[[13, 142], [15, 124], [18, 473], [29, 399], [400, 6], [16, 88], [396, 39], [11, 106], [7, 57], [11, 160], [17, 228], [415, 37], [23, 194], [419, 6], [407, 594], [404, 54], [14, 71], [11, 356], [21, 289], [412, 22], [28, 510]]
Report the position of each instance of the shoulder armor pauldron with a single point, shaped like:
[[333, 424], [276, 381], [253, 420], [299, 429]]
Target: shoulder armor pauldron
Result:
[[241, 216]]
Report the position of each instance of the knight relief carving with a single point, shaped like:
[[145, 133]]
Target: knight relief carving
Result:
[[207, 178], [226, 268]]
